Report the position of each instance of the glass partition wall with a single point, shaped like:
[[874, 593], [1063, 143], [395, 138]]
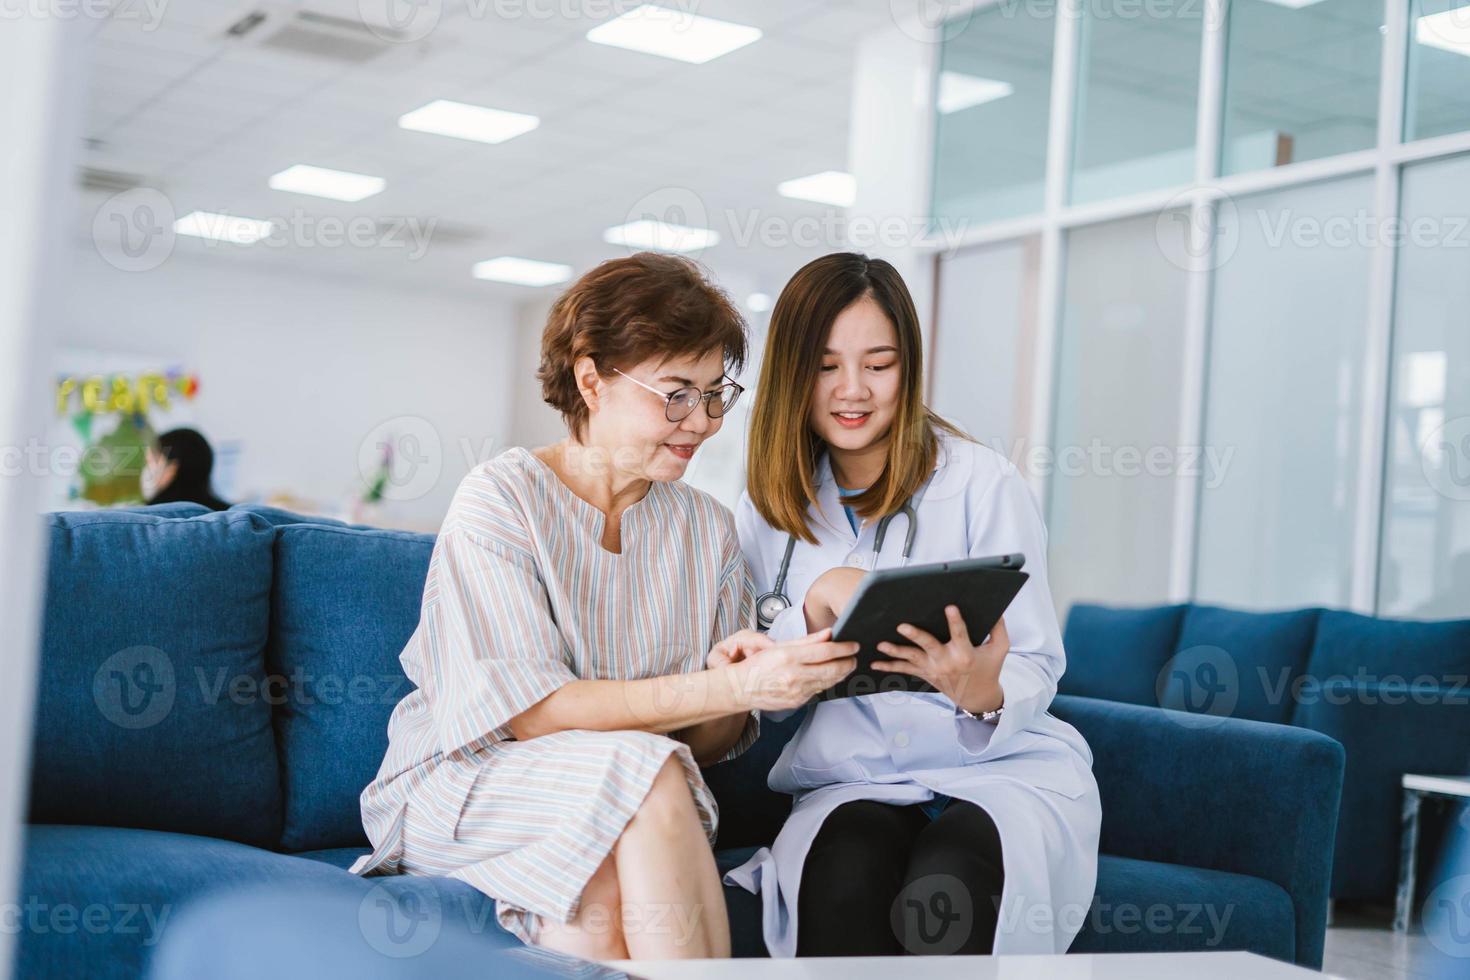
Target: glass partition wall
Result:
[[1220, 318]]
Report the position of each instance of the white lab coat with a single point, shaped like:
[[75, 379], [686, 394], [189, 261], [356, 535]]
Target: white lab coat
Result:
[[1031, 772]]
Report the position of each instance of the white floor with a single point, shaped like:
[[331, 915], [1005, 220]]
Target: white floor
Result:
[[1361, 945]]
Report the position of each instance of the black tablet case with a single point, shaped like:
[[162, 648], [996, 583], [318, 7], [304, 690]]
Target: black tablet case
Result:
[[917, 595]]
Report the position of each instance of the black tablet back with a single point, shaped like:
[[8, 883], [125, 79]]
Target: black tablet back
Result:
[[981, 587]]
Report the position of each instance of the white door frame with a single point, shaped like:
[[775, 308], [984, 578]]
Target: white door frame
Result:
[[40, 117]]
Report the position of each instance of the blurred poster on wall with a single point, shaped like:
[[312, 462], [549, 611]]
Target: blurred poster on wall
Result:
[[107, 407]]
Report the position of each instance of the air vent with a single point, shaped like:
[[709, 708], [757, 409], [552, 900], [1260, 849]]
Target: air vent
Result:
[[307, 33], [107, 181]]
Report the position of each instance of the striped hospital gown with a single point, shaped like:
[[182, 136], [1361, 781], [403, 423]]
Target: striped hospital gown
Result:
[[520, 599]]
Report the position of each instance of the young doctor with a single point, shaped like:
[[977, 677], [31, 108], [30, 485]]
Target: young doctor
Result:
[[963, 821]]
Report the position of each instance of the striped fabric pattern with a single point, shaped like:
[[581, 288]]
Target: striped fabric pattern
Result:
[[521, 598]]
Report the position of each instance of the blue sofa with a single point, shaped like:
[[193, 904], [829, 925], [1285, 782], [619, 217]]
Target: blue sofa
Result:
[[214, 691], [1393, 692]]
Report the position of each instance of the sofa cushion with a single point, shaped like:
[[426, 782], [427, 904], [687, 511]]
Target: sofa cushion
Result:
[[1399, 652], [150, 709], [1237, 663], [344, 604], [280, 517], [96, 900], [1116, 653], [175, 508], [1395, 694], [1146, 906]]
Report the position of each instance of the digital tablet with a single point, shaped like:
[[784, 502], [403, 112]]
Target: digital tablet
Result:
[[982, 588]]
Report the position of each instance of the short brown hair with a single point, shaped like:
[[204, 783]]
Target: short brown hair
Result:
[[628, 310], [782, 449]]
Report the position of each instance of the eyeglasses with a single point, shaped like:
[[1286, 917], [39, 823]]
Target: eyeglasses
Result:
[[682, 402]]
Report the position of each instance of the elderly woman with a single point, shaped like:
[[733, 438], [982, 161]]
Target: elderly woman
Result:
[[582, 646]]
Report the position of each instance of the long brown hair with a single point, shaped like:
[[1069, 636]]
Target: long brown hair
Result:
[[783, 450]]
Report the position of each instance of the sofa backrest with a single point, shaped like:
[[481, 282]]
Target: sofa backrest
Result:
[[148, 708], [1238, 663], [280, 637], [1116, 653], [1204, 659], [1395, 693], [344, 604]]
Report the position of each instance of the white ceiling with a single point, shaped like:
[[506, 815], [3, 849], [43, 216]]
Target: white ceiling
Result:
[[207, 119]]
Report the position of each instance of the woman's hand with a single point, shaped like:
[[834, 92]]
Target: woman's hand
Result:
[[736, 647], [787, 675], [828, 596], [968, 675]]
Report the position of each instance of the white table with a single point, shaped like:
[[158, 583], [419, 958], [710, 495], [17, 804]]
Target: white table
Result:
[[1416, 788], [1073, 966]]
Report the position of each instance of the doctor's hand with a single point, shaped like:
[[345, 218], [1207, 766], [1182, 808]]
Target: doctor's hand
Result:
[[736, 647], [787, 675], [968, 675], [829, 594]]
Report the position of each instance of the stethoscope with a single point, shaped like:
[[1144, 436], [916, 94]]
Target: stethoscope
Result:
[[774, 603]]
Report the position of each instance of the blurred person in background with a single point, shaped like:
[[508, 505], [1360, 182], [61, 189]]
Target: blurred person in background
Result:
[[178, 468]]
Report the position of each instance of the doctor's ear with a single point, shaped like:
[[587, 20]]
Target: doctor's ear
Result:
[[589, 382]]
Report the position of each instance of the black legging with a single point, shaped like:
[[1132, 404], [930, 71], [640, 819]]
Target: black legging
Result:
[[883, 880]]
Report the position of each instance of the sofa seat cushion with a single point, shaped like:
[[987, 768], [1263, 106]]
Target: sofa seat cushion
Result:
[[344, 605], [1147, 906], [1116, 653], [96, 900], [152, 708]]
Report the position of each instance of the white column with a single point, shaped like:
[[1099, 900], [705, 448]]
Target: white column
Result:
[[889, 152], [39, 112]]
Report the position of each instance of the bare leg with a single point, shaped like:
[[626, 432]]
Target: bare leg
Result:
[[673, 903], [596, 931]]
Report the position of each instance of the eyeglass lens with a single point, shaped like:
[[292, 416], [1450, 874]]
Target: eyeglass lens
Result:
[[685, 400]]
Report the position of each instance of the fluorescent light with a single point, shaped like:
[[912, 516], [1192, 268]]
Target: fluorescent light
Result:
[[829, 187], [468, 122], [675, 34], [338, 185], [759, 303], [960, 91], [223, 227], [1448, 30], [661, 236], [522, 272]]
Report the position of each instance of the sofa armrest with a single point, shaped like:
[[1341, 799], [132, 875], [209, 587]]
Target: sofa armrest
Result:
[[1220, 793]]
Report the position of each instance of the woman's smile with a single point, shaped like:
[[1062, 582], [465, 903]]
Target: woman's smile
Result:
[[852, 420]]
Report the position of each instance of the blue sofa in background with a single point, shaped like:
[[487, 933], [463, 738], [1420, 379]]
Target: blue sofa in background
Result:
[[214, 690], [1393, 692]]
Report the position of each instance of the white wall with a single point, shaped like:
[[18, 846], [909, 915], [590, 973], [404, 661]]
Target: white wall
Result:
[[533, 422], [307, 373]]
